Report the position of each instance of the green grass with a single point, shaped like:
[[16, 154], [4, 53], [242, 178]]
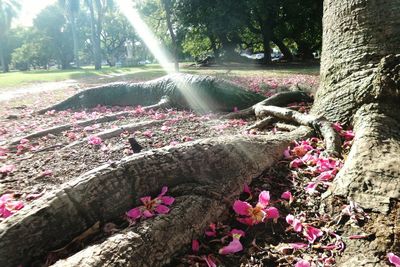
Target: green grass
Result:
[[16, 79]]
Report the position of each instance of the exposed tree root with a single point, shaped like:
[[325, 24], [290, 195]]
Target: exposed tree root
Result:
[[280, 99], [163, 103], [261, 124], [222, 164], [331, 137], [110, 133], [199, 93]]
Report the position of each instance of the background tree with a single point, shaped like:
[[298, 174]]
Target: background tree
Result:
[[52, 24], [8, 11], [71, 9]]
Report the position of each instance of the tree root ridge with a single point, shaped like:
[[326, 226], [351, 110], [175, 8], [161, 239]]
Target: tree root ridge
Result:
[[184, 90], [331, 137], [223, 163]]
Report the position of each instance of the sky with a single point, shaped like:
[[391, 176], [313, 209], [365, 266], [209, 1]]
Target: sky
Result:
[[29, 10]]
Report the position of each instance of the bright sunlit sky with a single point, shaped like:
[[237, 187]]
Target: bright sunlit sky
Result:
[[29, 10]]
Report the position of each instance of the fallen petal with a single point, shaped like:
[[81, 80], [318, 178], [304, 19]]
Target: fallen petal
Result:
[[394, 259], [134, 213], [241, 207], [233, 247], [161, 209], [264, 198], [302, 263]]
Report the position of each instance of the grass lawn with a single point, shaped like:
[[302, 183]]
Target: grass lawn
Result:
[[18, 78]]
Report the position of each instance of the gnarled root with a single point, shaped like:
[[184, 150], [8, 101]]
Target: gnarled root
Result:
[[223, 163]]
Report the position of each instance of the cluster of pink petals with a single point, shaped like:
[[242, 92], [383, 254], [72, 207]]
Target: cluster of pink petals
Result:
[[8, 205], [3, 151], [23, 146], [94, 140], [309, 232], [151, 207], [253, 215], [394, 259], [235, 245], [148, 133]]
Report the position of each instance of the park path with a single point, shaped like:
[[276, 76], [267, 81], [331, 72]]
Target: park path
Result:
[[9, 94]]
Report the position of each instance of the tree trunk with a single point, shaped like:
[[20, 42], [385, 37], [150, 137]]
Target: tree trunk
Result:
[[167, 7], [3, 62], [266, 36], [95, 37], [362, 87], [75, 40], [283, 48]]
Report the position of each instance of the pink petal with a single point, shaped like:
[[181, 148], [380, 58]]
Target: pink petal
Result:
[[212, 231], [134, 213], [233, 247], [167, 200], [297, 225], [264, 198], [394, 259], [289, 218], [164, 190], [210, 262], [246, 189], [161, 209], [247, 221], [195, 245], [312, 233], [272, 213], [302, 263], [15, 205], [287, 195], [147, 214], [296, 163], [311, 187], [241, 207], [297, 246], [286, 153], [337, 126], [348, 135]]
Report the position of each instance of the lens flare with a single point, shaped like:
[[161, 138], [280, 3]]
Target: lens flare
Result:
[[192, 95]]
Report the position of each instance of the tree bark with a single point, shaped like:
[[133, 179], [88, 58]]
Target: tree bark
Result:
[[362, 87], [3, 62]]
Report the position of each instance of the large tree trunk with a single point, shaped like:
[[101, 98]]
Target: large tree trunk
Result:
[[360, 85], [3, 61], [167, 7]]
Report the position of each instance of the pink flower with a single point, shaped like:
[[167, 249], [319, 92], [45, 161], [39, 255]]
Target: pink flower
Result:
[[8, 205], [288, 196], [395, 260], [94, 140], [148, 133], [195, 245], [302, 263], [312, 233], [6, 169], [152, 207], [254, 215], [235, 245], [294, 222]]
